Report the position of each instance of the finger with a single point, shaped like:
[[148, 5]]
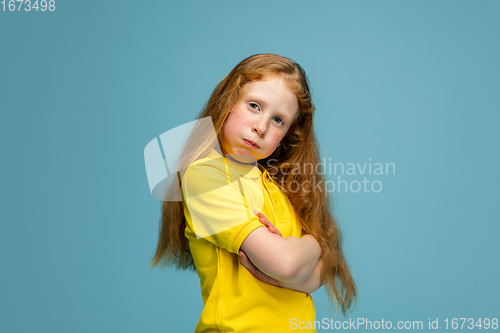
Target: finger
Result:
[[270, 226], [266, 222], [275, 231], [262, 217], [243, 257], [246, 262], [259, 214]]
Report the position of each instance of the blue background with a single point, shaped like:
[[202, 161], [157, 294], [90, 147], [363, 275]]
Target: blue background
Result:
[[83, 89]]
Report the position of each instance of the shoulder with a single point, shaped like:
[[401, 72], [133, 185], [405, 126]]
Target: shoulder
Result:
[[205, 175], [212, 168]]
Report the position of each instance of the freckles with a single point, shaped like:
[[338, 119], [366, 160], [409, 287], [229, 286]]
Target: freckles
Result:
[[237, 117], [276, 136], [235, 124]]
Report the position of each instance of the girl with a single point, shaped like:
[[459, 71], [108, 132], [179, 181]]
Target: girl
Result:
[[256, 268]]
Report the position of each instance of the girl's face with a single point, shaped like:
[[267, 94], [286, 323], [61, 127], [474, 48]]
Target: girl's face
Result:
[[261, 118]]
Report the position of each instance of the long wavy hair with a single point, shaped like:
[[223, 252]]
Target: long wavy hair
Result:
[[298, 149]]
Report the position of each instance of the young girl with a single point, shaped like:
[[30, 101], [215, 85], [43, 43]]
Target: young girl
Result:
[[257, 268]]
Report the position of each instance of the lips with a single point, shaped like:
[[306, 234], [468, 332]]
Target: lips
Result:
[[251, 143]]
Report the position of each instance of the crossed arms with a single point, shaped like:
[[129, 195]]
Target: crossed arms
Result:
[[289, 262]]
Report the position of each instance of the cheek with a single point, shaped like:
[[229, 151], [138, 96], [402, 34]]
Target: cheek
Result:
[[237, 118], [276, 136], [235, 122]]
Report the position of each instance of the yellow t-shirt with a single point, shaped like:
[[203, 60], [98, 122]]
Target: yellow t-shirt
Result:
[[219, 195]]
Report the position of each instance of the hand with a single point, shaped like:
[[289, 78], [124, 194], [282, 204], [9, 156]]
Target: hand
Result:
[[255, 271], [270, 227]]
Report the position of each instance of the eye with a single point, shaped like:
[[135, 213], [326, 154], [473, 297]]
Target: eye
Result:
[[278, 120], [254, 104]]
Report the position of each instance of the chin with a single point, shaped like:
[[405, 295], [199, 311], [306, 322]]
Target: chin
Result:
[[243, 158]]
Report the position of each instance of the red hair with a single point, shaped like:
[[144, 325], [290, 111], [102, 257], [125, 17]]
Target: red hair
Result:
[[298, 148]]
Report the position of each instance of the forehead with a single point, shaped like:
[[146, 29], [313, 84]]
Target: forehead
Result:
[[274, 92]]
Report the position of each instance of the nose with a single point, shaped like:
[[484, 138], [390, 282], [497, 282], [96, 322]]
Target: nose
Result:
[[259, 126]]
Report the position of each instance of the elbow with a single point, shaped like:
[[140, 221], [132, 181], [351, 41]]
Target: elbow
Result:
[[290, 272], [293, 269], [287, 274]]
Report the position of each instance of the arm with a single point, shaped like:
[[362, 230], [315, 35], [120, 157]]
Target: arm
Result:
[[311, 284], [308, 286], [289, 260]]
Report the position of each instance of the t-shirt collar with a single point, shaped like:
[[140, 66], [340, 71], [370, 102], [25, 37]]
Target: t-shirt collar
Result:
[[247, 170]]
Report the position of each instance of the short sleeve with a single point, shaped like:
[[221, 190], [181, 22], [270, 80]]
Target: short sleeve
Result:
[[217, 207]]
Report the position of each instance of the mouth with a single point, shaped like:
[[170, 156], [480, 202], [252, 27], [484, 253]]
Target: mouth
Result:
[[251, 143]]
